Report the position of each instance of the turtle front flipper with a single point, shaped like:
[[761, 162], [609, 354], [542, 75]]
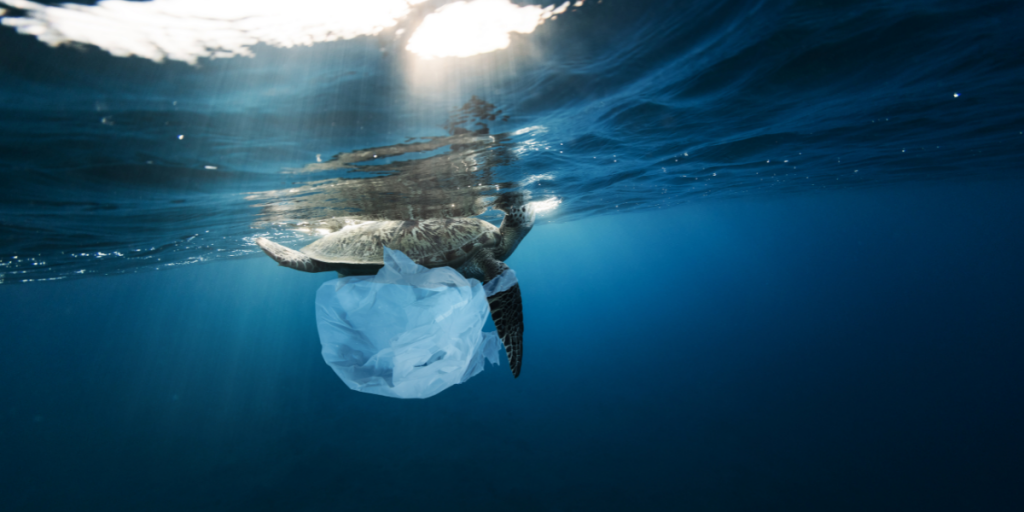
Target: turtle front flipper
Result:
[[291, 258], [506, 305], [507, 312]]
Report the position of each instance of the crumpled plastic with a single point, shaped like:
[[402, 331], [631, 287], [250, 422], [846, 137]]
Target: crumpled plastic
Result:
[[409, 331]]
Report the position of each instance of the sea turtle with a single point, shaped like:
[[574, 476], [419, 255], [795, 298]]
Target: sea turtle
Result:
[[473, 247]]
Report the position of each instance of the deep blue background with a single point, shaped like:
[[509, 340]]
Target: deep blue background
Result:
[[845, 350], [814, 303]]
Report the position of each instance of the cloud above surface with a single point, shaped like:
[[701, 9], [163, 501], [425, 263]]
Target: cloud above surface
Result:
[[188, 30]]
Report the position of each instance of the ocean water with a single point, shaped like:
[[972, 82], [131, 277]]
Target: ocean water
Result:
[[776, 264]]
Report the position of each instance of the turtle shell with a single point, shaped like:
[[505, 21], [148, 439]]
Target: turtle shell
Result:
[[431, 243]]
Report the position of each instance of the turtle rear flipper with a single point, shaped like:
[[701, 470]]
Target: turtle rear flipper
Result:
[[290, 257]]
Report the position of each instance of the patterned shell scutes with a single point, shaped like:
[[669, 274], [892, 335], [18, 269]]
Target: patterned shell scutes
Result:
[[431, 243]]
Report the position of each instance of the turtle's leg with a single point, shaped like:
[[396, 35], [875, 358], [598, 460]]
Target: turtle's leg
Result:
[[507, 312], [506, 306], [291, 258]]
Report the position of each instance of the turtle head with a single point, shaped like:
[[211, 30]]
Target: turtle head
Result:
[[518, 221]]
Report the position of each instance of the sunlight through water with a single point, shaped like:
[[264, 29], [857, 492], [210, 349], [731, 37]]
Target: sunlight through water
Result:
[[188, 30], [464, 29]]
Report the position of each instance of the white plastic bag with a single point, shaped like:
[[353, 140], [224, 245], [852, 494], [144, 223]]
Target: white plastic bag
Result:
[[407, 332]]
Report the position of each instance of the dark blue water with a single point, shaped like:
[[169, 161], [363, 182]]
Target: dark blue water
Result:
[[779, 267]]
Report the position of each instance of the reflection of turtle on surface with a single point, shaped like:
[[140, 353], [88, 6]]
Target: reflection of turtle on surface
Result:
[[473, 247]]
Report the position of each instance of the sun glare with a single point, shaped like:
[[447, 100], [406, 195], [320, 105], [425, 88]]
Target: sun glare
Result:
[[546, 205], [463, 29]]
